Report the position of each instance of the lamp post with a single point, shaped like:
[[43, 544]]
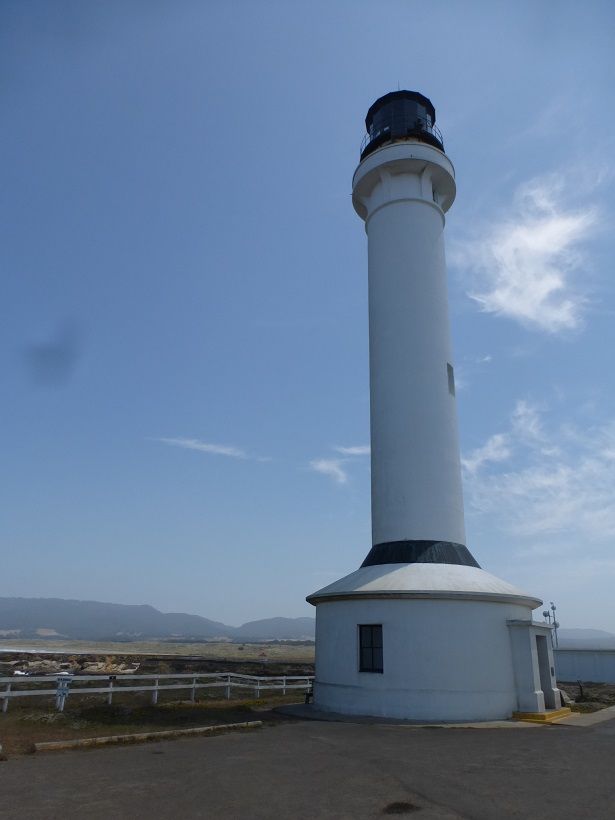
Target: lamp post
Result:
[[555, 624]]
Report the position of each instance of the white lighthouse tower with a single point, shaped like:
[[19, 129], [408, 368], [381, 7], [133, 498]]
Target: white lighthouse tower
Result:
[[419, 631]]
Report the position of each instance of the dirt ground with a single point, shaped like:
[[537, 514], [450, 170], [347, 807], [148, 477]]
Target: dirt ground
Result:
[[23, 725], [589, 697]]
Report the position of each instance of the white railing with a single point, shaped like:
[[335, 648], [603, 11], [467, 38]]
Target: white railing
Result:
[[63, 685]]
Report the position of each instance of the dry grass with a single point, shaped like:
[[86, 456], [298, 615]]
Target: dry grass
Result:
[[211, 650], [25, 724]]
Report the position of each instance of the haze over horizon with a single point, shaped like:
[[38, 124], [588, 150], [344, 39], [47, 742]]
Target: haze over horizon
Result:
[[184, 354], [58, 619]]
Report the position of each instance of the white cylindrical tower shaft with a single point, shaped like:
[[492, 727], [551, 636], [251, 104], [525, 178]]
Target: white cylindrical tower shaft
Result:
[[402, 190]]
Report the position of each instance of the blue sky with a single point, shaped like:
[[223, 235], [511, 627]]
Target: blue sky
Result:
[[184, 404]]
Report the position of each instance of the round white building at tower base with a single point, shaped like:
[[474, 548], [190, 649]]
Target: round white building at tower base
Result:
[[458, 645]]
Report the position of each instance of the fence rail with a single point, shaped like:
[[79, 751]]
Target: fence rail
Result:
[[65, 685]]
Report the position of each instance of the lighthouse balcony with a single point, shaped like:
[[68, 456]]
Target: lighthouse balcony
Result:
[[421, 130]]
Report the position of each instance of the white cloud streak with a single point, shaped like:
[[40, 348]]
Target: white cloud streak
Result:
[[331, 467], [359, 450], [495, 449], [335, 467], [203, 447], [526, 421], [528, 267]]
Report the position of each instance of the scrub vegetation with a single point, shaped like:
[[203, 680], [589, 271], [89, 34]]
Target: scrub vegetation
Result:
[[36, 720], [589, 697], [25, 724]]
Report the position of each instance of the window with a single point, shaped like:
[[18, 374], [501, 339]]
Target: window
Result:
[[370, 648], [451, 379]]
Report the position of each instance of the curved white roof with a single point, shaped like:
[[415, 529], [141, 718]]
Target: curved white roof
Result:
[[422, 580]]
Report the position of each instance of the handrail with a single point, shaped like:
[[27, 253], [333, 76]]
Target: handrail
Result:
[[422, 125]]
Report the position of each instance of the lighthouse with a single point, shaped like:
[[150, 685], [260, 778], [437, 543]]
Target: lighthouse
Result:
[[419, 631]]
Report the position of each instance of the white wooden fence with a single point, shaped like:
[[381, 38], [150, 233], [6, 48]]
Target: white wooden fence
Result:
[[63, 685]]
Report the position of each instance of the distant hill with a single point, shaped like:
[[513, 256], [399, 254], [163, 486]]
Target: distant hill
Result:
[[95, 621], [285, 627], [92, 620]]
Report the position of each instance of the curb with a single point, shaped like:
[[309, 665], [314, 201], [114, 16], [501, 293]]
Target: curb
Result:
[[58, 745], [576, 719]]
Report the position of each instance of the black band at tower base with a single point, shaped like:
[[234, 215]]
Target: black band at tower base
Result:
[[420, 552]]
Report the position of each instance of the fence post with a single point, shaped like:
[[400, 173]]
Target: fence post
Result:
[[110, 695], [155, 693], [5, 701], [228, 686], [257, 691], [284, 685], [193, 692], [63, 684]]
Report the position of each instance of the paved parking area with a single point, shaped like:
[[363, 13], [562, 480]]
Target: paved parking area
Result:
[[311, 769]]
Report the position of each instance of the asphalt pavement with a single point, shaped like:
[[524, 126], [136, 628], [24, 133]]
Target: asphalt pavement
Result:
[[313, 769]]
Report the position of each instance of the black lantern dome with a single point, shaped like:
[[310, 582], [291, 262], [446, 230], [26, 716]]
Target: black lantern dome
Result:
[[400, 115]]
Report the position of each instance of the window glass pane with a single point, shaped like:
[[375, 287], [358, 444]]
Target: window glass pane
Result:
[[376, 636], [377, 660], [366, 659], [366, 635]]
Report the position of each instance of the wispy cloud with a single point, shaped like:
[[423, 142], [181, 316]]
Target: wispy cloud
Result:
[[336, 467], [495, 449], [359, 450], [204, 447], [527, 426], [555, 484], [331, 467], [529, 267], [465, 372]]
